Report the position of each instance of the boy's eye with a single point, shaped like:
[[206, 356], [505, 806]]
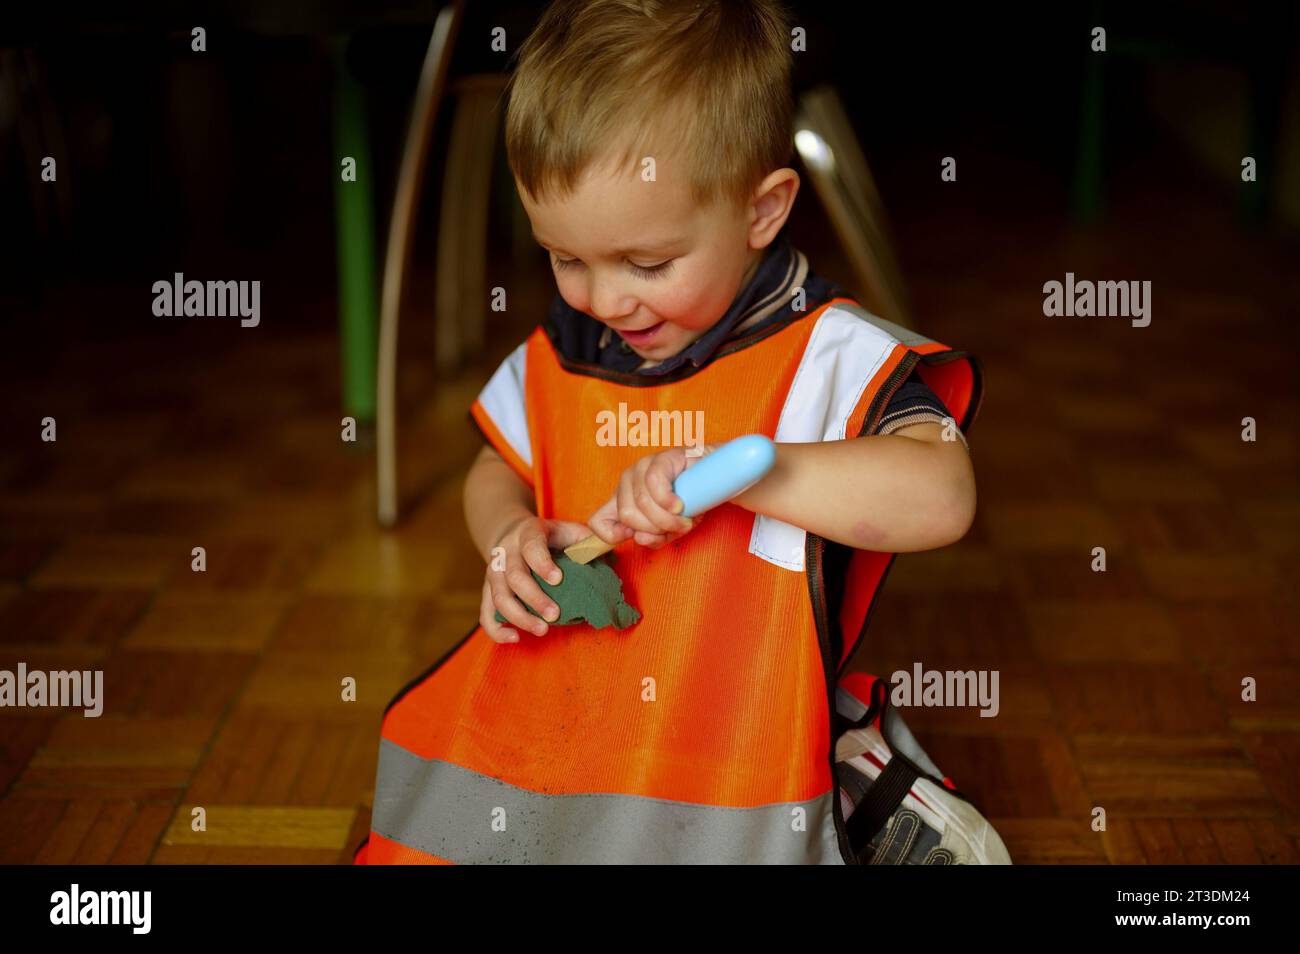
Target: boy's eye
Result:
[[641, 271], [651, 271]]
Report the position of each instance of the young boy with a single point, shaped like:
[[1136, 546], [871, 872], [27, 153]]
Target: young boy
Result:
[[650, 143]]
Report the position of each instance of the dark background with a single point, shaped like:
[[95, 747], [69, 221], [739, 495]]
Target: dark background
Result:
[[224, 158]]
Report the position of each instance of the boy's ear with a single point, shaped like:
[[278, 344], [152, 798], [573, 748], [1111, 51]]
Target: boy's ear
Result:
[[772, 203]]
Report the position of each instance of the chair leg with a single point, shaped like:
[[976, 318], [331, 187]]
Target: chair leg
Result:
[[844, 183], [354, 227], [428, 94], [462, 231], [488, 116]]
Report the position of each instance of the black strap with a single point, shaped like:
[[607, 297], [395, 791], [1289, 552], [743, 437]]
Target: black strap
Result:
[[841, 723], [882, 800]]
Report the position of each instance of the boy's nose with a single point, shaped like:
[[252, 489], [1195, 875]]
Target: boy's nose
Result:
[[608, 303]]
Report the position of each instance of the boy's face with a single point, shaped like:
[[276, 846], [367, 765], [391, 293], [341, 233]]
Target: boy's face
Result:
[[644, 257]]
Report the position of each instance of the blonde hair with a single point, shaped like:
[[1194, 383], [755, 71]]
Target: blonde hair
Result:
[[706, 80]]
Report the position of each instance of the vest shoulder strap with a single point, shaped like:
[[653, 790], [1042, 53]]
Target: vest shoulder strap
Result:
[[501, 413], [904, 336], [851, 362]]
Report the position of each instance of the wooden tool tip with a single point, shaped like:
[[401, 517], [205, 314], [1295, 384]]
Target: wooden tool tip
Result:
[[584, 551]]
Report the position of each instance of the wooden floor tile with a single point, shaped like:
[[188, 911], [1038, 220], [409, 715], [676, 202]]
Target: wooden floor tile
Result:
[[1071, 576], [46, 512], [1275, 522], [955, 631], [59, 616], [116, 560], [1240, 630], [380, 564], [1182, 526], [20, 738], [962, 569], [116, 756], [1277, 755], [1042, 841], [255, 564], [1222, 449], [1152, 776], [169, 516], [1099, 630], [262, 827], [1121, 842], [1276, 706], [1210, 576], [1107, 414], [196, 621], [263, 758], [1036, 526], [202, 473], [353, 623], [21, 555], [1134, 699], [312, 681], [26, 825], [173, 684], [1154, 481]]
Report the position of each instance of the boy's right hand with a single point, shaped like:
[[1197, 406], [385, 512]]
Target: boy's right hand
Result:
[[524, 545]]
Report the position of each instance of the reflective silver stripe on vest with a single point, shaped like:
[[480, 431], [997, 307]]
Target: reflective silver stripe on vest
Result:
[[449, 811], [913, 339]]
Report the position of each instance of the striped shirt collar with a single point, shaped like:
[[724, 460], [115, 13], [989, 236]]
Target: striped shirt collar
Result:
[[782, 269]]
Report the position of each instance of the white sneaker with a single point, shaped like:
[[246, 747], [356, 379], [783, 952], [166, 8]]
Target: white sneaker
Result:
[[911, 814]]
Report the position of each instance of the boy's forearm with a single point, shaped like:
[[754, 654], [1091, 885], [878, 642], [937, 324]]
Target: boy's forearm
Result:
[[494, 498], [888, 493]]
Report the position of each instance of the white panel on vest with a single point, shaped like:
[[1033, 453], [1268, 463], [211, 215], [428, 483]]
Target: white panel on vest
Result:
[[503, 399], [844, 352]]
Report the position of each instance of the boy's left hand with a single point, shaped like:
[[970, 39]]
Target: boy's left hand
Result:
[[644, 506]]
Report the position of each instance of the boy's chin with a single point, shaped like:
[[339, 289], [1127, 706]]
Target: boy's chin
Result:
[[661, 350], [657, 352], [650, 351]]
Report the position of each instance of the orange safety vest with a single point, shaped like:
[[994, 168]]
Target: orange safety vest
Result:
[[704, 732]]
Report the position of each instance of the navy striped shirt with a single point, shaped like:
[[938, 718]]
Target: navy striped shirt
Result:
[[766, 299]]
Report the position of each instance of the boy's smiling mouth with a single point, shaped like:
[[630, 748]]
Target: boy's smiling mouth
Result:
[[642, 336]]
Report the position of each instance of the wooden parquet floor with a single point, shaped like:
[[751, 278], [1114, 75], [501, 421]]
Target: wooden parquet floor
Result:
[[1119, 690]]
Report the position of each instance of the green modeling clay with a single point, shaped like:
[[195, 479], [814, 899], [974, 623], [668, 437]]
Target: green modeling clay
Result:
[[590, 593]]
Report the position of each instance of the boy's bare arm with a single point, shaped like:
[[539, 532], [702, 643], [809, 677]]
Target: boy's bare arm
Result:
[[494, 497], [910, 490]]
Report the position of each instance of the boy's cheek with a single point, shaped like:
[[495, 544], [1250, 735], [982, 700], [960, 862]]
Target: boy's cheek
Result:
[[573, 293]]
